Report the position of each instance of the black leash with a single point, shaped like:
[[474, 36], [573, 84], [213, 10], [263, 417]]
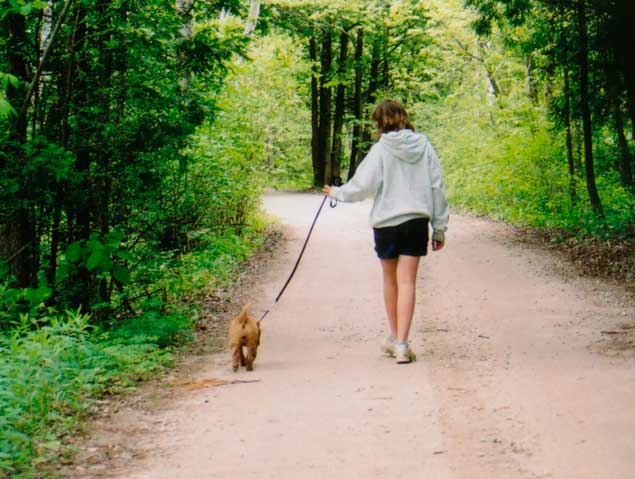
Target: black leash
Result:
[[332, 204]]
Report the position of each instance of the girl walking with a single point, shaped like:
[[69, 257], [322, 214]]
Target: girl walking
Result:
[[403, 173]]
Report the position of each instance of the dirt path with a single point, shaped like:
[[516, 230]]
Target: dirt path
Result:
[[509, 381]]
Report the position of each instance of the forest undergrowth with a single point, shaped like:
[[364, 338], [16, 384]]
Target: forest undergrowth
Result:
[[609, 259], [52, 375]]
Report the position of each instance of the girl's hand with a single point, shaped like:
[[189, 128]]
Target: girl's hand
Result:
[[326, 189], [437, 245]]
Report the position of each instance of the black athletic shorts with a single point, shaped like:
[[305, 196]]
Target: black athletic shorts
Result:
[[409, 239]]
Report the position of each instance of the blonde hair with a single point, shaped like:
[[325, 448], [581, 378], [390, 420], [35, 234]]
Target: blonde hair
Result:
[[390, 115]]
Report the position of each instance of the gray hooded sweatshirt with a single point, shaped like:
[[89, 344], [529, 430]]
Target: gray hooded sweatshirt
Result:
[[403, 173]]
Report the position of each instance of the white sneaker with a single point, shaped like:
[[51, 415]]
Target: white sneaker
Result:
[[404, 354], [388, 346]]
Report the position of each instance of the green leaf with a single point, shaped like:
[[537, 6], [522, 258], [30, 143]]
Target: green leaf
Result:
[[121, 274], [95, 260], [36, 296], [114, 237], [125, 255], [5, 108], [4, 269], [74, 251], [14, 80]]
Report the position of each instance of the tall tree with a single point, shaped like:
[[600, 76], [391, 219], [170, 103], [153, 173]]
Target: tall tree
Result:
[[583, 60], [333, 169], [315, 109], [89, 155], [357, 103], [17, 232], [325, 106]]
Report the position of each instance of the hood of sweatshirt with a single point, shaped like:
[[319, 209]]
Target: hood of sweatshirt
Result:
[[406, 145]]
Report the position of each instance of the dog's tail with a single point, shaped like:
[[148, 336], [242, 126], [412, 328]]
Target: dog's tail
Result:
[[243, 316]]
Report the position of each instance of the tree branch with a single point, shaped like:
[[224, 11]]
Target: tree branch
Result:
[[40, 67]]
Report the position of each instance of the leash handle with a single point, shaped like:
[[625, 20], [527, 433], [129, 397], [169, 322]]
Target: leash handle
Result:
[[337, 181]]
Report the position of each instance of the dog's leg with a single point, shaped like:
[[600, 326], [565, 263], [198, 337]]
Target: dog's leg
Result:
[[237, 353], [251, 357], [242, 356]]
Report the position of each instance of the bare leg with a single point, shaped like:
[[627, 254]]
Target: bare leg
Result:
[[389, 268], [407, 267]]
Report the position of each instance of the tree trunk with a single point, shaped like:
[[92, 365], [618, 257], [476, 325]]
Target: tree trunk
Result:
[[569, 141], [357, 102], [104, 153], [624, 163], [324, 135], [82, 147], [55, 243], [17, 44], [81, 103], [315, 110], [493, 89], [577, 137], [531, 80], [184, 12], [252, 19], [17, 242], [338, 120], [622, 17], [630, 97], [374, 72], [371, 95], [594, 197], [385, 68]]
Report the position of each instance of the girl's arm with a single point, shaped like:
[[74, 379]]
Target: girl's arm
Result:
[[440, 211], [365, 182]]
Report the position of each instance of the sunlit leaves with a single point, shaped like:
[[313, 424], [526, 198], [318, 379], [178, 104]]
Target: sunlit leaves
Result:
[[102, 254], [5, 107], [22, 7]]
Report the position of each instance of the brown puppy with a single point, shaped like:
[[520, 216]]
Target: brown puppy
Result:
[[244, 331]]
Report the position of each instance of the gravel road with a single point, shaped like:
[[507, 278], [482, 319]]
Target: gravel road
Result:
[[514, 378]]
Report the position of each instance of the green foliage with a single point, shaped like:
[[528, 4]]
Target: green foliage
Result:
[[54, 365], [504, 155], [47, 378], [17, 302], [100, 255], [151, 327], [121, 194], [108, 151], [212, 265], [266, 125], [5, 107]]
